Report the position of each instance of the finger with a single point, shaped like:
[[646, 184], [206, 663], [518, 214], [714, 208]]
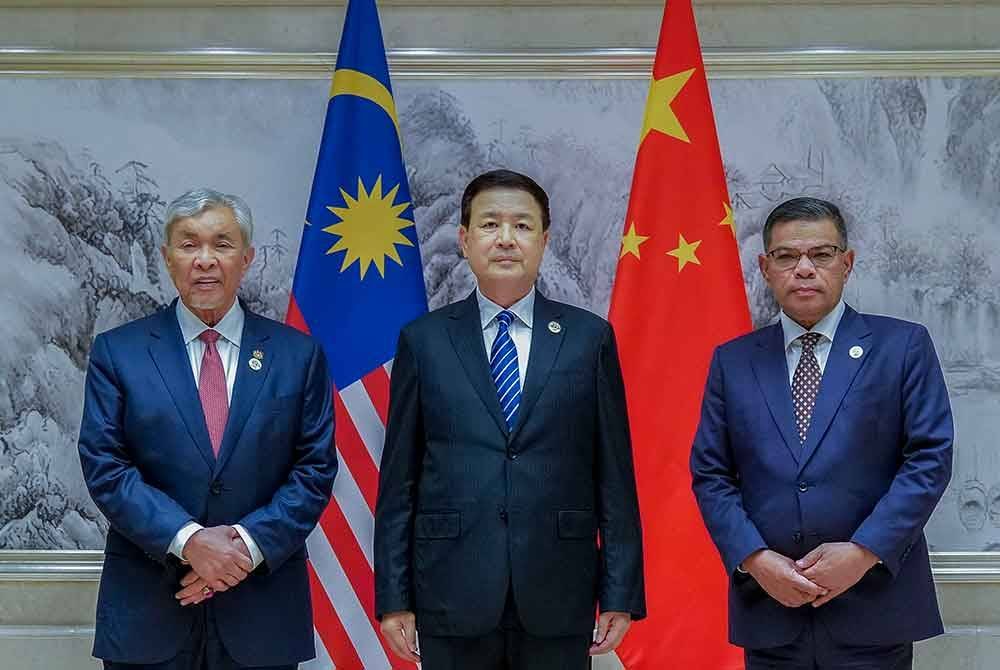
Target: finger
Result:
[[410, 638], [190, 590], [399, 647], [603, 624], [612, 638], [190, 578], [231, 580], [819, 602], [242, 560], [810, 559], [218, 585], [801, 583]]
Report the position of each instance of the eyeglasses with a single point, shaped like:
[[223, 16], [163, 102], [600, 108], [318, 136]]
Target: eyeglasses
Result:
[[821, 257]]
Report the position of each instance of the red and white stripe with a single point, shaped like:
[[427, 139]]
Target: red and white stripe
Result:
[[340, 547]]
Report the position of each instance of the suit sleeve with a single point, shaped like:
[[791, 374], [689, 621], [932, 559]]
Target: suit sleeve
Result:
[[715, 478], [899, 517], [622, 586], [280, 528], [147, 516], [399, 475]]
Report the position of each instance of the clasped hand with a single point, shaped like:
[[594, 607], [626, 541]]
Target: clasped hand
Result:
[[817, 578], [219, 560]]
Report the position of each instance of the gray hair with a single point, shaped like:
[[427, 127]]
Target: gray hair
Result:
[[199, 200]]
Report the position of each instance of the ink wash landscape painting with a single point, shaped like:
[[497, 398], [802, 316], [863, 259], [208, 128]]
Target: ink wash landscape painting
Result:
[[87, 167]]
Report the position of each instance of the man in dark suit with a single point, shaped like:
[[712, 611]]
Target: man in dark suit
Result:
[[824, 444], [507, 454], [206, 441]]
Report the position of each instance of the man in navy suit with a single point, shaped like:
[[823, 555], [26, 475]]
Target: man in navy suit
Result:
[[824, 445], [207, 442], [506, 455]]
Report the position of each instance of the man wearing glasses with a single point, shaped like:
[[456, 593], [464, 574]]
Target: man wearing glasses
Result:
[[824, 444]]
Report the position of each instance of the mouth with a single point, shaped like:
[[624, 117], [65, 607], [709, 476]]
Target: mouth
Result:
[[207, 283], [805, 291]]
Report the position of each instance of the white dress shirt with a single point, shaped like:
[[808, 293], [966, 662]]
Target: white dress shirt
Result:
[[230, 328], [520, 327], [826, 327]]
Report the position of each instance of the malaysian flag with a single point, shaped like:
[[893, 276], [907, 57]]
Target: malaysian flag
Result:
[[358, 280]]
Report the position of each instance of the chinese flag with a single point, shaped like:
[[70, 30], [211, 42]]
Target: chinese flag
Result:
[[678, 294]]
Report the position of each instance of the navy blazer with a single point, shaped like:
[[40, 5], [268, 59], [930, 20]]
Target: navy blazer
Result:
[[467, 508], [876, 460], [148, 462]]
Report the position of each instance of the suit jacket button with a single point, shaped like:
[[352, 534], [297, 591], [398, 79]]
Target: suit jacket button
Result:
[[215, 489], [803, 487], [797, 537], [512, 455]]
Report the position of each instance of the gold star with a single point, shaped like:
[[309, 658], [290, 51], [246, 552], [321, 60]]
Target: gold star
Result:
[[728, 221], [659, 115], [684, 253], [631, 241]]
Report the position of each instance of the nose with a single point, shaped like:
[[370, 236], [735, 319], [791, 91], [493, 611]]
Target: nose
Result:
[[805, 267], [205, 258], [506, 235]]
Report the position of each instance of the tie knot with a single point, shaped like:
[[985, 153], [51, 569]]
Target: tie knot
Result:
[[809, 341], [504, 319], [209, 336]]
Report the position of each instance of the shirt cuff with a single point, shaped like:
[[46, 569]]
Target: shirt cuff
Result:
[[180, 539], [255, 554]]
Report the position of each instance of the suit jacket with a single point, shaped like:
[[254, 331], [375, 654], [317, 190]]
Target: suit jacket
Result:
[[876, 459], [467, 509], [148, 463]]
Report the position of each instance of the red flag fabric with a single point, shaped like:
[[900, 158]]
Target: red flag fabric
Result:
[[678, 293]]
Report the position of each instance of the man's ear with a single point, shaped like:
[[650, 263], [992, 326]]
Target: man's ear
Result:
[[463, 242]]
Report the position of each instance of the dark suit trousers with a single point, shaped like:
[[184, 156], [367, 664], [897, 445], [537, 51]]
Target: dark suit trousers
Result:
[[815, 649], [508, 647], [202, 651]]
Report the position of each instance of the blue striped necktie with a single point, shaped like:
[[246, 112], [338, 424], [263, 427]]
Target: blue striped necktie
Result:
[[503, 368]]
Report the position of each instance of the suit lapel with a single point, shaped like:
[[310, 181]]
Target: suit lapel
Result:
[[838, 374], [545, 346], [466, 331], [166, 347], [248, 384], [771, 369]]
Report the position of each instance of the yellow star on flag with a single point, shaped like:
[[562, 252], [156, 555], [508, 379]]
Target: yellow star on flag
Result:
[[684, 253], [728, 220], [659, 115], [631, 241]]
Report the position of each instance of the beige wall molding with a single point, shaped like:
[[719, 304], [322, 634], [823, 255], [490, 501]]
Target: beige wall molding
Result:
[[973, 567], [532, 64], [46, 632], [169, 4]]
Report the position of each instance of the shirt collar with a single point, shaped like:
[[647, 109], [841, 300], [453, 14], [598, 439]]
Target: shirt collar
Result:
[[230, 326], [523, 309], [827, 326]]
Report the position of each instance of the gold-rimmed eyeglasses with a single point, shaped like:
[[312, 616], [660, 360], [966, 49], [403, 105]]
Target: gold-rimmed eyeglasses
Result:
[[823, 256]]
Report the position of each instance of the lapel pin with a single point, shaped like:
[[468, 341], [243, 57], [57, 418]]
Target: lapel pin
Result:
[[255, 364], [554, 327], [258, 354], [856, 352]]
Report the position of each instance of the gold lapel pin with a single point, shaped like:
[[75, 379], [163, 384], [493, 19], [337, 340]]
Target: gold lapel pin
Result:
[[255, 364], [856, 352], [554, 327], [258, 354]]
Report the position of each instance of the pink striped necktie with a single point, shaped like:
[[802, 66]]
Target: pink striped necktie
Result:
[[212, 390]]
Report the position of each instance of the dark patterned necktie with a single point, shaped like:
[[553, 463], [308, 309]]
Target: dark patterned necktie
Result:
[[503, 369], [805, 383], [212, 389]]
